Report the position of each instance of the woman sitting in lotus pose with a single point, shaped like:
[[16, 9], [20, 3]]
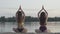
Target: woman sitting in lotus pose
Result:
[[42, 16], [20, 16], [43, 19]]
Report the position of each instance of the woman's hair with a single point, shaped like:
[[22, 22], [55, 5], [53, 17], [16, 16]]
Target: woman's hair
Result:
[[19, 14], [42, 14], [42, 18]]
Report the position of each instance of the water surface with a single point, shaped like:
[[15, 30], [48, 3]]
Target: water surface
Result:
[[31, 26]]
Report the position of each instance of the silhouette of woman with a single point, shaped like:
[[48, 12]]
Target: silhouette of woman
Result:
[[42, 16], [20, 16]]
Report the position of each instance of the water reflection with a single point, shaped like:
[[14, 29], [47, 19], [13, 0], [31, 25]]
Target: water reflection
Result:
[[2, 26], [31, 26]]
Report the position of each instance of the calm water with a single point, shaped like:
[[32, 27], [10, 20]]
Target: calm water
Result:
[[31, 26]]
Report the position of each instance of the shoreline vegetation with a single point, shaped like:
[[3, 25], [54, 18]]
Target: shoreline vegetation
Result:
[[27, 19]]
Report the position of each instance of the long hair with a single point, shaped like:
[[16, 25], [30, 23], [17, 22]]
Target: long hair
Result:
[[42, 18], [19, 16], [42, 15]]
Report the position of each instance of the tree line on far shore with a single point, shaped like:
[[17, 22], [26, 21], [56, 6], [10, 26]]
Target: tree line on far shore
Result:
[[27, 19]]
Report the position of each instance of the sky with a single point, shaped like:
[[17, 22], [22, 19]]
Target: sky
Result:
[[9, 8]]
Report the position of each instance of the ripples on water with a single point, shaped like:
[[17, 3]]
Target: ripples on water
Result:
[[31, 26]]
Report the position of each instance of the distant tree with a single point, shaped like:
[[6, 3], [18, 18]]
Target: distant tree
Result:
[[2, 19], [27, 19]]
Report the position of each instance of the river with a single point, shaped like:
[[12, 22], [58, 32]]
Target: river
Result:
[[31, 26]]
